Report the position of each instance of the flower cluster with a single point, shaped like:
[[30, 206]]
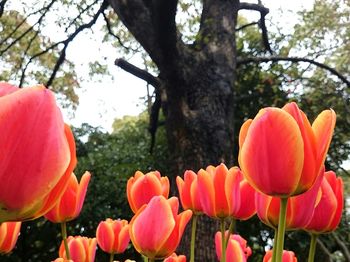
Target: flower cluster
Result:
[[281, 178]]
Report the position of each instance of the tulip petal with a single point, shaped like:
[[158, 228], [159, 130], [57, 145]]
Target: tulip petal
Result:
[[323, 128], [338, 188], [145, 229], [206, 192], [219, 178], [232, 190], [105, 237], [310, 170], [273, 141], [6, 88]]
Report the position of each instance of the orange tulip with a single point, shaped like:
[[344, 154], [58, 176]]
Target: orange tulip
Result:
[[219, 191], [327, 213], [175, 258], [300, 208], [113, 235], [141, 188], [247, 207], [281, 154], [37, 152], [157, 228], [81, 249], [188, 192], [71, 202], [288, 256], [9, 232], [236, 250]]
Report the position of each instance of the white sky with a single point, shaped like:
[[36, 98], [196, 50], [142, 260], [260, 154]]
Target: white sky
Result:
[[101, 102]]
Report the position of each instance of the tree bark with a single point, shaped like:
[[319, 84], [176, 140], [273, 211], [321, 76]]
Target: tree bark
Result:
[[196, 85]]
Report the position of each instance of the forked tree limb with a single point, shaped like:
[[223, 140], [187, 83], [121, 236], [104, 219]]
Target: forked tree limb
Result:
[[258, 60]]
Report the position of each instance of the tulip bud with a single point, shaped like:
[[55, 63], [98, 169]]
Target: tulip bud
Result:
[[175, 258], [141, 188], [281, 154], [81, 249], [113, 236], [157, 228], [288, 256], [71, 202]]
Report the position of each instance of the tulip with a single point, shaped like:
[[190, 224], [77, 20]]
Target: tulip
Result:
[[237, 249], [175, 258], [327, 214], [281, 154], [71, 202], [219, 191], [60, 259], [37, 152], [188, 192], [288, 256], [9, 232], [113, 235], [247, 207], [81, 249], [300, 208], [157, 228], [141, 188]]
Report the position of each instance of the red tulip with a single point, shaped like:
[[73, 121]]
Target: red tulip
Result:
[[237, 249], [281, 154], [81, 249], [300, 208], [247, 207], [37, 152], [188, 192], [141, 188], [113, 236], [219, 191], [71, 202], [156, 229], [288, 256], [327, 214], [9, 232], [175, 258]]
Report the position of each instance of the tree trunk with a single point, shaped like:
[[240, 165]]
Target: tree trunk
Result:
[[197, 85]]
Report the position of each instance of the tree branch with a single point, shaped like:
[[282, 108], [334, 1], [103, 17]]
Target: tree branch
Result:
[[257, 60], [46, 9], [153, 25], [263, 12], [138, 72], [2, 6], [342, 246], [324, 249], [246, 25]]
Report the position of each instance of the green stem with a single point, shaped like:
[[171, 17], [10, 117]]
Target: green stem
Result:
[[231, 230], [111, 258], [64, 236], [281, 229], [274, 247], [312, 248], [223, 240], [193, 236], [145, 259]]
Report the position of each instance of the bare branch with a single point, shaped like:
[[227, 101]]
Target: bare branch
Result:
[[80, 13], [258, 60], [342, 246], [263, 12], [324, 249], [138, 72], [2, 6], [110, 31], [245, 26], [65, 43], [46, 9]]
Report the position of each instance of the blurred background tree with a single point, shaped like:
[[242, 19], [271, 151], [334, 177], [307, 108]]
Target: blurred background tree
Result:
[[309, 65]]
